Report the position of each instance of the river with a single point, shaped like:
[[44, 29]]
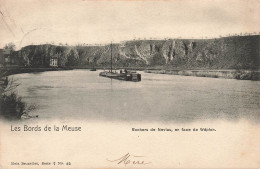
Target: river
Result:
[[83, 94]]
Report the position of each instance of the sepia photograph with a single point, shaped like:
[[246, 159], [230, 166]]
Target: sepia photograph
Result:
[[129, 84]]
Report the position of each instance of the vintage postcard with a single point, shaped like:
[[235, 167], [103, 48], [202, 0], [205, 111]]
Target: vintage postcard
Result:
[[129, 84]]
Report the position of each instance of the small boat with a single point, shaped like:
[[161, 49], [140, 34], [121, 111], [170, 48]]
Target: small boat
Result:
[[93, 69], [123, 75]]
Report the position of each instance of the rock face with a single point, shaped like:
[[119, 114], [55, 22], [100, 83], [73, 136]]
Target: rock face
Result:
[[223, 53]]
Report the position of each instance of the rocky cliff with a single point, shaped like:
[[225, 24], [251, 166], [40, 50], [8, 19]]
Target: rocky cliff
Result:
[[240, 52]]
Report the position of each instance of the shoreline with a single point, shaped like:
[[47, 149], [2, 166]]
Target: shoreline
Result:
[[224, 74], [217, 73]]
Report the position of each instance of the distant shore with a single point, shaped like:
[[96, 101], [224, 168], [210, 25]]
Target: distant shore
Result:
[[226, 74]]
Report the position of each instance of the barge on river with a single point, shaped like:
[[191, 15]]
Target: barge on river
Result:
[[127, 75], [123, 75]]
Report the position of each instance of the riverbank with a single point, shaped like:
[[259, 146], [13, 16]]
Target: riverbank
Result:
[[226, 74]]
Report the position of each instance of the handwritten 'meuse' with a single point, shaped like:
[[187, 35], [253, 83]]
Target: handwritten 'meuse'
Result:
[[130, 159]]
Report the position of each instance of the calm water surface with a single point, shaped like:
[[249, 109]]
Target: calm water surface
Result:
[[83, 94]]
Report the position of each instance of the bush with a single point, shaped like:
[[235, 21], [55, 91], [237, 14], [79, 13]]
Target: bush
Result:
[[12, 106]]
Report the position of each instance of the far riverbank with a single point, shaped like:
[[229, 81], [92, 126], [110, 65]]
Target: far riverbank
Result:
[[226, 74]]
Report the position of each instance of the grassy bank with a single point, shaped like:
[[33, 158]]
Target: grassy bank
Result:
[[227, 74]]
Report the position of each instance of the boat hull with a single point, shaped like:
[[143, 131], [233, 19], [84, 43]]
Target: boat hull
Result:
[[135, 77]]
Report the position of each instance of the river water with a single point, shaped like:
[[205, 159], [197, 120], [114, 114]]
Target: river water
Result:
[[83, 94]]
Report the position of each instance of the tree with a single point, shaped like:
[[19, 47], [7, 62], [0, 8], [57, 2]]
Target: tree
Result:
[[73, 58], [10, 46]]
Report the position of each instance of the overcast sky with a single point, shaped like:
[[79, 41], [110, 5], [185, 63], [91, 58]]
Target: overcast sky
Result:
[[27, 22]]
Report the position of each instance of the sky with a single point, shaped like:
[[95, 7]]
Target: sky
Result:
[[26, 22]]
